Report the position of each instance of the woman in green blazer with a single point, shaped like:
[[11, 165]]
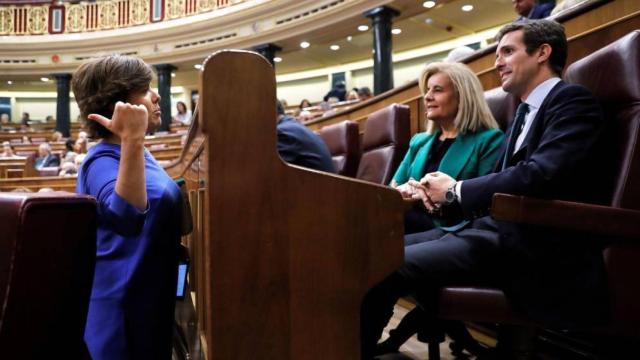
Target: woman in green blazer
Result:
[[462, 140]]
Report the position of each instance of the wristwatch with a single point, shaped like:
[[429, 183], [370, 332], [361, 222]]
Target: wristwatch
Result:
[[450, 196]]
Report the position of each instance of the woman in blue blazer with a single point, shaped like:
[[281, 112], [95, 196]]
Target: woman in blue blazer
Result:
[[462, 140]]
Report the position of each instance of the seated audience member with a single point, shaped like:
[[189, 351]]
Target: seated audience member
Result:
[[56, 136], [49, 119], [532, 9], [184, 115], [139, 210], [304, 104], [68, 168], [462, 140], [459, 53], [304, 116], [300, 146], [549, 153], [80, 146], [69, 153], [26, 140], [45, 157], [25, 120], [4, 119], [7, 150], [353, 95], [339, 91], [364, 93]]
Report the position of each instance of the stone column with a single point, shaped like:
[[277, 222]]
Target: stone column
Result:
[[268, 51], [382, 47], [63, 120], [164, 90]]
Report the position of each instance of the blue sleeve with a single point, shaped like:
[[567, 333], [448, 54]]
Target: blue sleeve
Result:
[[288, 145], [114, 211]]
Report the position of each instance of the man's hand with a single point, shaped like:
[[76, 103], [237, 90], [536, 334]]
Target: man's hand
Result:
[[422, 193], [405, 190], [437, 184]]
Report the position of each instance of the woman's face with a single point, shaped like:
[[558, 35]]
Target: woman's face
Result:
[[151, 100], [440, 99], [181, 108]]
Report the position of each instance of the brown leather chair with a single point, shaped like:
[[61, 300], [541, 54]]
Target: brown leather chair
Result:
[[343, 141], [503, 106], [47, 260], [613, 75], [384, 144]]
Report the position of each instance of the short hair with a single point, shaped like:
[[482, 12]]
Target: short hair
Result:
[[279, 108], [535, 33], [473, 111], [99, 83], [364, 91]]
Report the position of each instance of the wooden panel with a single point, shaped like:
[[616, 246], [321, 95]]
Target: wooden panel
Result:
[[287, 253]]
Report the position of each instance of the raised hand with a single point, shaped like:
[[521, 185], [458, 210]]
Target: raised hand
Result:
[[129, 122]]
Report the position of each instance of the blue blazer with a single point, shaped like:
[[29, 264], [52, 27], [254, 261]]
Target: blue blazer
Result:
[[300, 146]]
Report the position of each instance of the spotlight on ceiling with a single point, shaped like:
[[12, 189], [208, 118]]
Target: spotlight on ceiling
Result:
[[467, 8], [363, 28], [304, 44], [334, 47], [45, 79], [429, 4], [277, 59], [396, 31], [197, 66]]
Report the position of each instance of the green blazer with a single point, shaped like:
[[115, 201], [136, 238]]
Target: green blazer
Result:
[[471, 155]]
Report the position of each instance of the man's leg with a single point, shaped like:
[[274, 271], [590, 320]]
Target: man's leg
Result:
[[463, 257]]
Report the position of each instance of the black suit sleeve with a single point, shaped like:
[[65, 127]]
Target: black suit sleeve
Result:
[[568, 126]]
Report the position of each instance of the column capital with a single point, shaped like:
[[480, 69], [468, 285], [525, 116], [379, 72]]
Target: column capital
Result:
[[268, 51], [381, 12], [164, 67]]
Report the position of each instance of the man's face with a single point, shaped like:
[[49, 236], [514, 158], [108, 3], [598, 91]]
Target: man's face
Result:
[[516, 68], [523, 7]]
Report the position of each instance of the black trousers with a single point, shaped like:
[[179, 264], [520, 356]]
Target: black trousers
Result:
[[433, 259]]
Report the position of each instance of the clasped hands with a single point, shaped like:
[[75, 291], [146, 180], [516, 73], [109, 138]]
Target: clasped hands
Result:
[[431, 189]]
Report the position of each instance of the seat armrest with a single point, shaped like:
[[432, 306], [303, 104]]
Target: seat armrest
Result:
[[597, 219]]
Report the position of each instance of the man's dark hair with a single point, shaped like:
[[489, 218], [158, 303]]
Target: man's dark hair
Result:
[[100, 83], [535, 33], [364, 91], [279, 108]]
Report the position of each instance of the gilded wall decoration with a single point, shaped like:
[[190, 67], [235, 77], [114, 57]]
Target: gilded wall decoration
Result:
[[75, 18], [37, 20], [6, 21], [139, 12], [108, 14], [206, 5], [175, 8]]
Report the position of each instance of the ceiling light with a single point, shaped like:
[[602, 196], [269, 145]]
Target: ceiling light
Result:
[[9, 82], [197, 66], [277, 59], [429, 4], [45, 79], [334, 47], [304, 44], [428, 21], [173, 75], [467, 8], [363, 28], [396, 31], [349, 38]]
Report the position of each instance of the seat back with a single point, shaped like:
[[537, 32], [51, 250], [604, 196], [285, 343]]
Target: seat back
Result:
[[47, 260], [343, 142], [502, 105], [613, 75], [384, 144]]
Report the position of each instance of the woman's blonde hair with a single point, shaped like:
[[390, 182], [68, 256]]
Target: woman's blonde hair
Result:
[[473, 111]]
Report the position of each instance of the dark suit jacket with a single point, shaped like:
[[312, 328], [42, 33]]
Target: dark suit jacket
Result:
[[47, 161], [555, 276], [539, 11], [300, 146]]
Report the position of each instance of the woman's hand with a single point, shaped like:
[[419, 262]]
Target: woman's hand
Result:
[[129, 122], [405, 190]]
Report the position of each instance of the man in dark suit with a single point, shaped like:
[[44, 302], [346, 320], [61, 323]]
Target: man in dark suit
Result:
[[532, 9], [45, 157], [300, 146], [548, 153]]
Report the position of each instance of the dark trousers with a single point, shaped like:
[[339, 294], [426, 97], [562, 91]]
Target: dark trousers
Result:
[[432, 259]]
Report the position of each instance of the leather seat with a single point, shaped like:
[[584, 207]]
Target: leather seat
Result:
[[47, 260], [384, 144], [343, 141], [613, 75]]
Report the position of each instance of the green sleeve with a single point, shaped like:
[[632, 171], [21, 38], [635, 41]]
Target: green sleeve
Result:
[[492, 141]]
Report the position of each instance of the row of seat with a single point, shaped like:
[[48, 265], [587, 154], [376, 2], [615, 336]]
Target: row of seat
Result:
[[384, 142]]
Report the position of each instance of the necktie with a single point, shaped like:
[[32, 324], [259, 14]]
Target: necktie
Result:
[[518, 123]]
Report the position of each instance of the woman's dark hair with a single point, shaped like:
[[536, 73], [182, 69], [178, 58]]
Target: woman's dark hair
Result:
[[184, 106], [68, 145], [99, 83]]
